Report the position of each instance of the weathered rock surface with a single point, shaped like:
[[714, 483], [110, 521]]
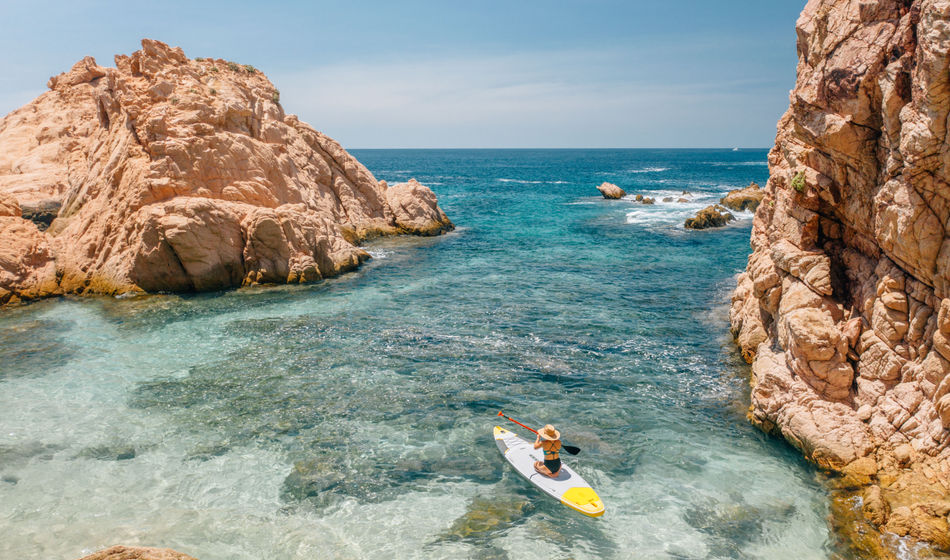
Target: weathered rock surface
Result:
[[137, 553], [844, 308], [611, 191], [741, 200], [172, 174], [709, 217], [27, 270]]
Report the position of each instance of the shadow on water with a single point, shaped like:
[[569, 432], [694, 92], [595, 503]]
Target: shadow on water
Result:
[[33, 347]]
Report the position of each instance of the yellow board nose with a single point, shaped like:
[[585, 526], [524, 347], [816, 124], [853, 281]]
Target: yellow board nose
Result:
[[584, 500]]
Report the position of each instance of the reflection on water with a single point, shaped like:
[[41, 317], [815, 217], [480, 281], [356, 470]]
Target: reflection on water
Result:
[[352, 418]]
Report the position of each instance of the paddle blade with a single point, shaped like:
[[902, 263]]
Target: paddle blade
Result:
[[571, 449], [500, 413]]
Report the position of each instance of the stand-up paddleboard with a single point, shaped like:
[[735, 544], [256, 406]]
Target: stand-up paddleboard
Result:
[[568, 488]]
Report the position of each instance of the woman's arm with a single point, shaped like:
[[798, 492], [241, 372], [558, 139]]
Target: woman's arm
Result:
[[537, 442]]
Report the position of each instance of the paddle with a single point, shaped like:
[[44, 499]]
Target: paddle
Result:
[[569, 448]]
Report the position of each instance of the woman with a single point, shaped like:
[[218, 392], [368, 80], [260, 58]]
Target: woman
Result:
[[549, 440]]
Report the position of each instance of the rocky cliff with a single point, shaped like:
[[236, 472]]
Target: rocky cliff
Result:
[[844, 309], [172, 174]]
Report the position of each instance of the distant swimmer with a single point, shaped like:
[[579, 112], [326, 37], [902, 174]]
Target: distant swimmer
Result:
[[549, 440]]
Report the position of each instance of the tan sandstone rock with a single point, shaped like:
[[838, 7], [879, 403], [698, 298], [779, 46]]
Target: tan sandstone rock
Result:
[[741, 200], [843, 308], [137, 553], [709, 217], [27, 270], [611, 191], [171, 174]]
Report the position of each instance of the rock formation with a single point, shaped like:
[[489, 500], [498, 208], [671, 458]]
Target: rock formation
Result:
[[844, 308], [171, 174], [137, 553], [709, 217], [741, 200], [611, 191]]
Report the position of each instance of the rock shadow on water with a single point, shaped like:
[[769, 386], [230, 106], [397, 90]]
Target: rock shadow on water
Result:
[[14, 456], [486, 519], [731, 526], [338, 474], [512, 502], [33, 348], [208, 451], [108, 452]]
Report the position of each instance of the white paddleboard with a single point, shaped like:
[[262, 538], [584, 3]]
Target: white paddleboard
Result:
[[568, 488]]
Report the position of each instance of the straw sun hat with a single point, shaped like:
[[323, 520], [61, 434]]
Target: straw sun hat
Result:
[[549, 433]]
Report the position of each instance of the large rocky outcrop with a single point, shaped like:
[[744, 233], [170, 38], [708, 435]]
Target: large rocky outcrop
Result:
[[171, 174], [844, 309]]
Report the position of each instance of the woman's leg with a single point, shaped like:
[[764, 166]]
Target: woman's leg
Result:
[[539, 466]]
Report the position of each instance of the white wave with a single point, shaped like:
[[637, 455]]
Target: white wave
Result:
[[675, 213], [378, 253], [526, 182], [649, 170]]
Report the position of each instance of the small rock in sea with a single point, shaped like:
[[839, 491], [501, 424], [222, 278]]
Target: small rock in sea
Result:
[[668, 199], [611, 191], [648, 200], [639, 198], [687, 193], [10, 479], [744, 199], [709, 217], [682, 200]]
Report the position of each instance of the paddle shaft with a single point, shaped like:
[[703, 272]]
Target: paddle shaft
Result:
[[569, 448], [519, 423]]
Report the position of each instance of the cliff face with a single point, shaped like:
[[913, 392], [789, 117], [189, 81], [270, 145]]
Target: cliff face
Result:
[[844, 308], [171, 174]]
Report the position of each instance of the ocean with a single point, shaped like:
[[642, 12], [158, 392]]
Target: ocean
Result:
[[352, 418]]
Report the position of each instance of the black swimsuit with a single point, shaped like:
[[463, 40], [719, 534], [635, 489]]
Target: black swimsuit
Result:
[[553, 465]]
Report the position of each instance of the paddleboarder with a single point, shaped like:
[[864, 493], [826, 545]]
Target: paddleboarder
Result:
[[549, 440]]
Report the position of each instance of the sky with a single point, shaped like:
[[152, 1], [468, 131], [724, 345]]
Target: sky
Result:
[[451, 74]]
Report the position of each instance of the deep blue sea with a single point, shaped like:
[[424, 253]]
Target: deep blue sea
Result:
[[352, 418]]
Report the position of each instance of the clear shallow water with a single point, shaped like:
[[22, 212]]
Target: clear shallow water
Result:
[[352, 418]]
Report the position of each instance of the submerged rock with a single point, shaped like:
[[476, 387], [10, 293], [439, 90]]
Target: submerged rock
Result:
[[709, 217], [137, 553], [109, 452], [171, 174], [647, 200], [611, 191], [741, 200], [486, 516]]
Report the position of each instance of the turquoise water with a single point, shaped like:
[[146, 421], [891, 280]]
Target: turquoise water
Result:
[[352, 418]]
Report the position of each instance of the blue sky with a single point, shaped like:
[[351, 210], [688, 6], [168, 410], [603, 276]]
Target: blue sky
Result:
[[459, 74]]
